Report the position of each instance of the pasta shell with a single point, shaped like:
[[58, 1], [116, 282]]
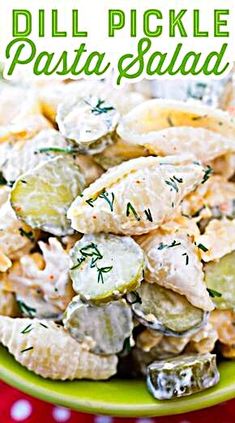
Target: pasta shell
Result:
[[204, 144], [17, 102], [204, 340], [8, 305], [172, 261], [224, 165], [52, 279], [145, 192], [218, 239], [23, 129], [5, 262], [217, 195], [144, 122], [48, 350], [223, 322]]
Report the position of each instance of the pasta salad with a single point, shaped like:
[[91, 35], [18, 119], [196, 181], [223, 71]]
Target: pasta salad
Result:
[[117, 231]]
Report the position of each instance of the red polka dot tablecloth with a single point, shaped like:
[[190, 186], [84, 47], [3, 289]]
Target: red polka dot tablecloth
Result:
[[16, 406]]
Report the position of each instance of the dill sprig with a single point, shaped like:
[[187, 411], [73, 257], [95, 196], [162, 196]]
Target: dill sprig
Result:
[[64, 150], [202, 247], [173, 244], [105, 195], [90, 250], [44, 326], [26, 349], [101, 271], [100, 108], [90, 202], [214, 293], [27, 329], [130, 209], [28, 311], [173, 184], [80, 261], [207, 173], [187, 258], [148, 215], [179, 180]]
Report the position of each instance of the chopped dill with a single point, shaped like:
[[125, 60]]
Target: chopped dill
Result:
[[27, 329], [90, 202], [173, 184], [100, 108], [110, 201], [202, 247], [214, 293], [179, 180], [131, 209], [79, 262], [187, 258], [173, 244], [26, 349], [28, 311], [148, 215], [101, 271], [65, 150], [44, 326], [208, 171]]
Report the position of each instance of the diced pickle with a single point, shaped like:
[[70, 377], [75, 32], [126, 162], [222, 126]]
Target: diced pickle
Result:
[[104, 267], [166, 311], [42, 196], [220, 280], [104, 329], [181, 376]]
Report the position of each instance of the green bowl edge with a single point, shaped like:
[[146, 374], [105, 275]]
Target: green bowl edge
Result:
[[121, 398]]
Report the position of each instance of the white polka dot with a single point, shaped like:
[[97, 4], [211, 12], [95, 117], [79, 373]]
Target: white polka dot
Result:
[[61, 414], [184, 421], [21, 410], [103, 419], [144, 420]]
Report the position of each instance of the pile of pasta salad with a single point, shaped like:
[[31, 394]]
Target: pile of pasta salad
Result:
[[117, 232]]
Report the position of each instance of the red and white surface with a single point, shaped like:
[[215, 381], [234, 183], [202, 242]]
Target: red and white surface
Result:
[[18, 407]]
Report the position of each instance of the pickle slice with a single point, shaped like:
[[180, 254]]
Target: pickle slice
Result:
[[166, 311], [86, 120], [182, 376], [42, 196], [105, 267], [104, 329], [220, 280]]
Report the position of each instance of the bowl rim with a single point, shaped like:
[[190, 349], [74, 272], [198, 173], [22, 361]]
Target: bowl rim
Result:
[[152, 408]]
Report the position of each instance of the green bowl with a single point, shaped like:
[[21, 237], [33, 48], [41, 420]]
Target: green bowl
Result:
[[126, 398]]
